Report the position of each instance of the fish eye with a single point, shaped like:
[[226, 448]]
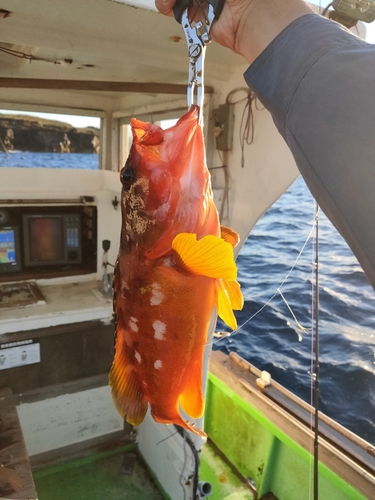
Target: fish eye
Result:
[[127, 175]]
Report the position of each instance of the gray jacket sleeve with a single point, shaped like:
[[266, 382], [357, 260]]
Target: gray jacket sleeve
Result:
[[318, 82]]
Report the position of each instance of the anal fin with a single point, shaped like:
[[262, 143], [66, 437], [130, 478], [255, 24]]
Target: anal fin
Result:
[[191, 399]]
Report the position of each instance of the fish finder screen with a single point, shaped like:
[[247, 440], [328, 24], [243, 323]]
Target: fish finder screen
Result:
[[7, 246], [46, 239]]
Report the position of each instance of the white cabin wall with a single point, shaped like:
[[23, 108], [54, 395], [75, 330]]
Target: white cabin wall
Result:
[[109, 218], [269, 166], [110, 142]]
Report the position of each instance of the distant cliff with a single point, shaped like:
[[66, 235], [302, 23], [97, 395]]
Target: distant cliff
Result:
[[28, 133]]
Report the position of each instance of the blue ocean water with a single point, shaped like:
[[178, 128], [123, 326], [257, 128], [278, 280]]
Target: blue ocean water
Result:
[[49, 160], [346, 320]]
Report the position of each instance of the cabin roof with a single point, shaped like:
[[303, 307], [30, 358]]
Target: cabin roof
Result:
[[98, 40]]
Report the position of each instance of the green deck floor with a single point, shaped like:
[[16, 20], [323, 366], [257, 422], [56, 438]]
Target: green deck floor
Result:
[[98, 477], [226, 484]]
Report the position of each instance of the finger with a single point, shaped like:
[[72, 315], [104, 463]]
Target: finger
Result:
[[165, 6]]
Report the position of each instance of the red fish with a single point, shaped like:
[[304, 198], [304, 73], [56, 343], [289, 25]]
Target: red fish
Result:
[[174, 266]]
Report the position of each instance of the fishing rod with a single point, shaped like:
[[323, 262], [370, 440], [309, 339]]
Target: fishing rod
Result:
[[316, 370]]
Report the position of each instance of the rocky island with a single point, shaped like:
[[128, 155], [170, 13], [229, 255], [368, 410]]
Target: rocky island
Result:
[[29, 133]]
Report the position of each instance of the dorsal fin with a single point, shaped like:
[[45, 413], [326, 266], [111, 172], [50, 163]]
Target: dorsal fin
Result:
[[229, 235]]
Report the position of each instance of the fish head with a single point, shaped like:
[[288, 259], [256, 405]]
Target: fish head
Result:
[[166, 186]]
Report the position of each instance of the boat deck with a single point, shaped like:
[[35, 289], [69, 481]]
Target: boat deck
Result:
[[121, 474], [96, 477]]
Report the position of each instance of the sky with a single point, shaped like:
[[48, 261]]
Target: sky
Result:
[[87, 121]]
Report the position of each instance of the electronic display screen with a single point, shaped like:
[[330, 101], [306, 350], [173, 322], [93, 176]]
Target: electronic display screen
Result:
[[7, 246], [46, 239]]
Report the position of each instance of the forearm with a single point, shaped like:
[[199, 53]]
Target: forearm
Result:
[[263, 21], [317, 80]]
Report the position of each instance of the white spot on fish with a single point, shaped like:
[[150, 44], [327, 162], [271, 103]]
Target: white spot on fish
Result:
[[157, 295], [138, 357], [160, 329], [158, 364], [133, 325]]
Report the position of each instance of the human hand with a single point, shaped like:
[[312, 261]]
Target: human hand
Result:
[[227, 28], [248, 26]]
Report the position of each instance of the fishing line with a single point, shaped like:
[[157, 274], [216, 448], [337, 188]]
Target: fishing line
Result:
[[305, 330], [227, 334], [166, 438]]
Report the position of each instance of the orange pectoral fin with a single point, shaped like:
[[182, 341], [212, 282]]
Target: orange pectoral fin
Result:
[[224, 306], [211, 256], [235, 295], [126, 390], [229, 297]]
